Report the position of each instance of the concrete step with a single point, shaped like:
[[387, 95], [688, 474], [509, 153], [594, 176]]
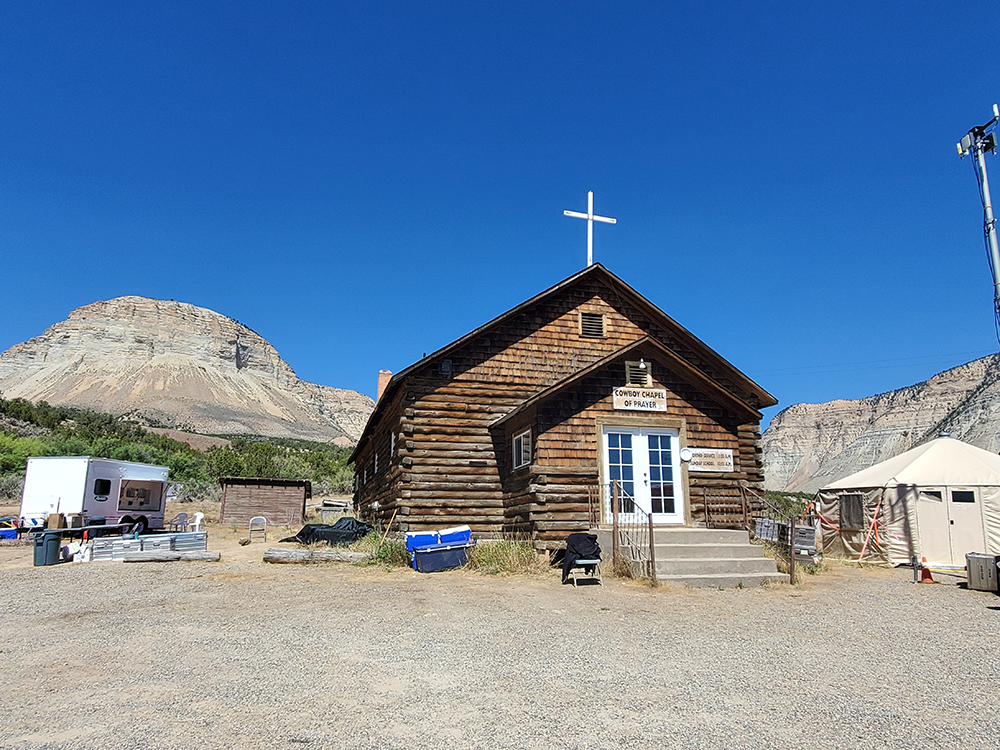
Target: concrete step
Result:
[[706, 557], [707, 551], [733, 566], [688, 535], [723, 581]]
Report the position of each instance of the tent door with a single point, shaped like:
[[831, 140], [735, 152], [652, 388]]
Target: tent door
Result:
[[965, 523], [951, 524]]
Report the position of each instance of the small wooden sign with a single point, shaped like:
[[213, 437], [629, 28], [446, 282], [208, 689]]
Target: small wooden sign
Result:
[[640, 399], [710, 459]]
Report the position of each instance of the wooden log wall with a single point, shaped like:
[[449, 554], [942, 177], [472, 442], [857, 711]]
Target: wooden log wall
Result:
[[445, 467]]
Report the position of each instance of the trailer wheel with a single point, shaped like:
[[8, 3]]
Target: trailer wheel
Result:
[[126, 520], [141, 525]]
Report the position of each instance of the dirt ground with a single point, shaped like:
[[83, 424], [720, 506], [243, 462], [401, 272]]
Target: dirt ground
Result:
[[243, 653]]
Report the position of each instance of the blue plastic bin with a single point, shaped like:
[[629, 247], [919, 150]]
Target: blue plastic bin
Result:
[[435, 557], [416, 539]]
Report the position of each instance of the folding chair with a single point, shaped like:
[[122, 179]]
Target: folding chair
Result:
[[257, 524], [582, 553]]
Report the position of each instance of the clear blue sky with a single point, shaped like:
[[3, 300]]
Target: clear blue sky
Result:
[[363, 183]]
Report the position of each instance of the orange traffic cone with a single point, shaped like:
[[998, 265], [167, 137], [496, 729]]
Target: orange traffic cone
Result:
[[925, 572]]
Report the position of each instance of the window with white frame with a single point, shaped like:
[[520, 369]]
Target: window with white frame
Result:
[[522, 449]]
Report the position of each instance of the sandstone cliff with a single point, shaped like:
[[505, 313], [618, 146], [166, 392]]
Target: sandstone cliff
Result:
[[810, 445], [179, 365]]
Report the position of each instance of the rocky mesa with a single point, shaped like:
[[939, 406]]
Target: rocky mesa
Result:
[[175, 364], [808, 446]]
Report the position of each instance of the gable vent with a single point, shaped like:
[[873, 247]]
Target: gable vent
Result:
[[638, 374], [592, 325]]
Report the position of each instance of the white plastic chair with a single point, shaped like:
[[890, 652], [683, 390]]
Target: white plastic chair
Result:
[[257, 523], [195, 521]]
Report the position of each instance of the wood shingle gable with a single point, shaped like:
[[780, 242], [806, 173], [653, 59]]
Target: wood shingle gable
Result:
[[538, 342]]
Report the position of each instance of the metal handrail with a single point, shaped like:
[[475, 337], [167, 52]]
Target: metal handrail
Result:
[[635, 535]]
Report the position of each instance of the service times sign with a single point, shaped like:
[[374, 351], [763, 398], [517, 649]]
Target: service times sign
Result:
[[640, 399], [710, 459]]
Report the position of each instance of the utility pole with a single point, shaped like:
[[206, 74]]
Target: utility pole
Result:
[[978, 142]]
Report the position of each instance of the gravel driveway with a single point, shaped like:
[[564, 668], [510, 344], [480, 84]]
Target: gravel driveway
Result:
[[239, 654]]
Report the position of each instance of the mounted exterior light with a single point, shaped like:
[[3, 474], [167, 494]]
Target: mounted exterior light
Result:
[[642, 363]]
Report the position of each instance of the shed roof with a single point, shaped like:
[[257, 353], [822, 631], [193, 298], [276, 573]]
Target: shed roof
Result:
[[944, 461]]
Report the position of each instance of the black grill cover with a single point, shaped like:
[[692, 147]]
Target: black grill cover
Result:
[[344, 532]]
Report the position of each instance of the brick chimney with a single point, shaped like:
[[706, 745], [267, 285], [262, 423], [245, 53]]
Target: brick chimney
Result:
[[384, 376]]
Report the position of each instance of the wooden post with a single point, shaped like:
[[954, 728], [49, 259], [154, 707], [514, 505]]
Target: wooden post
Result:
[[791, 550], [652, 550], [614, 523]]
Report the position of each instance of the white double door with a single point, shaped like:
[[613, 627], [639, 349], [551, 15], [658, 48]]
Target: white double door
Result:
[[645, 462]]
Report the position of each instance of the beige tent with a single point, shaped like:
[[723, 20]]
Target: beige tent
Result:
[[939, 500]]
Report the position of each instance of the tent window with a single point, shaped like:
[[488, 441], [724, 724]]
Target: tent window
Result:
[[852, 517], [936, 494], [963, 496]]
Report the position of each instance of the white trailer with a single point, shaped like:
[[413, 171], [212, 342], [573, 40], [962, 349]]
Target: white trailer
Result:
[[117, 491]]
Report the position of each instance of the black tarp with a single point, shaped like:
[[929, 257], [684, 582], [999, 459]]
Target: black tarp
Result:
[[344, 532]]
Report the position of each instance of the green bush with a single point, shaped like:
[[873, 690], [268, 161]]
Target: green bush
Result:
[[10, 488], [73, 431]]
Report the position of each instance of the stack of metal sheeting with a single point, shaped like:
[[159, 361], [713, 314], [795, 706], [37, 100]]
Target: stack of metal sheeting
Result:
[[191, 541], [157, 542], [114, 549]]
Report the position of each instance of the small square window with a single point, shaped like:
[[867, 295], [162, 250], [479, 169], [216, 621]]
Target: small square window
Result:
[[102, 486], [852, 517], [522, 449], [592, 325], [963, 496]]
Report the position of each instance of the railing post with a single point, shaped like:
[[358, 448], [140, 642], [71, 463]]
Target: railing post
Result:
[[614, 523], [791, 550], [652, 550]]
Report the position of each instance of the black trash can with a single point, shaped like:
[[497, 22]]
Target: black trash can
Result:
[[47, 544]]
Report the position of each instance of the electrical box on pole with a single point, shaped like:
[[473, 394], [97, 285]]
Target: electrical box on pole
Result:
[[978, 142]]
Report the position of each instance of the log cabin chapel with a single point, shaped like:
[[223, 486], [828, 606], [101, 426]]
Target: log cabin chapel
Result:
[[524, 425]]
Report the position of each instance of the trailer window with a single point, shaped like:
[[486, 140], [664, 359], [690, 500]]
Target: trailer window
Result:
[[102, 486]]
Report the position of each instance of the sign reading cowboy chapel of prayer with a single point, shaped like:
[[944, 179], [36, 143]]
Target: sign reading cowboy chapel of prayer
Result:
[[640, 399], [710, 459]]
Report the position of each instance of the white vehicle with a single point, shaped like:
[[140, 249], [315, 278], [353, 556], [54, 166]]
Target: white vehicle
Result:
[[117, 491]]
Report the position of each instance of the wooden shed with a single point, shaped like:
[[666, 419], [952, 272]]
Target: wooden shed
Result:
[[525, 425], [281, 501]]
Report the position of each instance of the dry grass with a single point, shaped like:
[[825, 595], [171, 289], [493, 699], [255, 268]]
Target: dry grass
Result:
[[505, 557]]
